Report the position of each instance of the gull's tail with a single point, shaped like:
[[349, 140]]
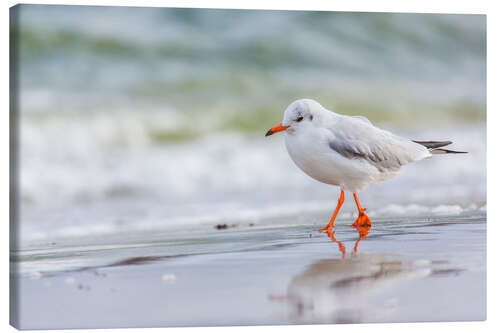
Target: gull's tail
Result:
[[435, 147]]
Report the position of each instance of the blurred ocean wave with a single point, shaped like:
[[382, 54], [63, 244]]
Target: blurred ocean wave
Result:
[[229, 178]]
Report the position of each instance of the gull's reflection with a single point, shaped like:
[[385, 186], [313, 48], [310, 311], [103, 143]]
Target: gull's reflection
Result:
[[348, 290], [331, 234]]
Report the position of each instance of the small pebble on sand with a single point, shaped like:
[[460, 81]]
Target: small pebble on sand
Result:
[[224, 226]]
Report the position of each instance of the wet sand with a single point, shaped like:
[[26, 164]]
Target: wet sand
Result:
[[400, 270]]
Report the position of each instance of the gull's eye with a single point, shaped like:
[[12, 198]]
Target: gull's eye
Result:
[[299, 119]]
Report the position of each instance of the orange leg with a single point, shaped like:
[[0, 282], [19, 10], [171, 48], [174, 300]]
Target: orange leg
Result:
[[331, 224], [362, 219]]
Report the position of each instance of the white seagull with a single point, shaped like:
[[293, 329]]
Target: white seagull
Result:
[[347, 151]]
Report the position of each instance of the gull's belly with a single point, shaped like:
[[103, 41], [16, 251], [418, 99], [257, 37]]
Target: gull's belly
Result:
[[317, 160]]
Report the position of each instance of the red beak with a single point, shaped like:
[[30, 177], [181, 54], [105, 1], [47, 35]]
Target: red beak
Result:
[[276, 129]]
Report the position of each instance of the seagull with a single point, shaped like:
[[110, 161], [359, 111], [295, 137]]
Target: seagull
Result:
[[347, 151]]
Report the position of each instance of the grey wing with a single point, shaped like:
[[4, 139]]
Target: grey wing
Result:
[[355, 138]]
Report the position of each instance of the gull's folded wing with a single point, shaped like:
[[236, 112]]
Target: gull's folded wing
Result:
[[353, 137]]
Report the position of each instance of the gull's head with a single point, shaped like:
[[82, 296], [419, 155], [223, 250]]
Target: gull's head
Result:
[[298, 114]]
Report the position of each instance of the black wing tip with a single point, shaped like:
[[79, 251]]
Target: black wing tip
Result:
[[433, 144]]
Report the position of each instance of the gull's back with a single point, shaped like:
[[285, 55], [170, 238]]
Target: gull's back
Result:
[[356, 137]]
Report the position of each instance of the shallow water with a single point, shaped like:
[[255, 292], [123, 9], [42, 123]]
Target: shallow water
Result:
[[418, 269]]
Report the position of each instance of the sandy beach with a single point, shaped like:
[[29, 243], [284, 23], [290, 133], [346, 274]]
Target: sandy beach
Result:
[[404, 270]]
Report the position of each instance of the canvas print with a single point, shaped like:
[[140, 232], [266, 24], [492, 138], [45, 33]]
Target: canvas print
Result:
[[211, 167]]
